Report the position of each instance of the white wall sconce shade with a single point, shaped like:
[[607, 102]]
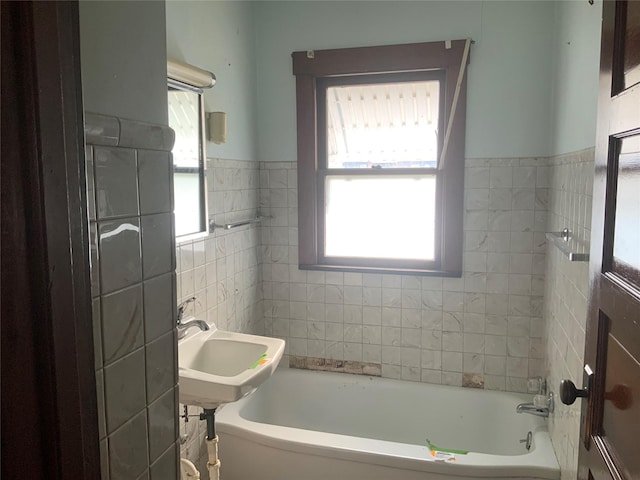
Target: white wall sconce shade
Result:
[[189, 74], [217, 127]]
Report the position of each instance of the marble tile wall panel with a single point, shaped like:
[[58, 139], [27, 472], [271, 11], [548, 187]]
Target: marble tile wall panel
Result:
[[482, 330], [566, 293], [133, 303], [222, 271]]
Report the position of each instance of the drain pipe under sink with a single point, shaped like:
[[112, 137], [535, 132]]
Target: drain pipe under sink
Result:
[[213, 463], [188, 470]]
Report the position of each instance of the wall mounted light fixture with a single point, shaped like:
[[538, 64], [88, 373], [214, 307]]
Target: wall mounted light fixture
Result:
[[189, 74]]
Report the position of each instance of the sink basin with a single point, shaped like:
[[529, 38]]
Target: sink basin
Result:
[[217, 366]]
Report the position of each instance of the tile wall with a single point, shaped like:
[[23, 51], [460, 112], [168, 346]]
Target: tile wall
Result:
[[222, 271], [565, 305], [132, 268], [483, 330]]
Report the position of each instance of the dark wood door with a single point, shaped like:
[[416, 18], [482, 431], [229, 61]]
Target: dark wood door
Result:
[[48, 413], [611, 419]]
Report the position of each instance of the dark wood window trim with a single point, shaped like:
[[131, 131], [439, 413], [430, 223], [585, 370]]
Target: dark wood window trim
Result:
[[312, 69]]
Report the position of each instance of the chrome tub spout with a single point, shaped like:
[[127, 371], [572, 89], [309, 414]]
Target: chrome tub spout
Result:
[[532, 409]]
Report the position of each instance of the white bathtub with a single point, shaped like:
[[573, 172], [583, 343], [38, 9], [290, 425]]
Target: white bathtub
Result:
[[305, 425]]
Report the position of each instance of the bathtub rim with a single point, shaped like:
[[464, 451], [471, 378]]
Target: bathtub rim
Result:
[[540, 463]]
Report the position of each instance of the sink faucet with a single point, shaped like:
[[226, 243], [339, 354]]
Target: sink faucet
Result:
[[183, 327], [541, 406], [183, 306]]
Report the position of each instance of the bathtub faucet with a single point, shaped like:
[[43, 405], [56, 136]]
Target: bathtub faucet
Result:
[[541, 406], [532, 409]]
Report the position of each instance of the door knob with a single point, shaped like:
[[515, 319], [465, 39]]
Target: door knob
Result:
[[569, 392]]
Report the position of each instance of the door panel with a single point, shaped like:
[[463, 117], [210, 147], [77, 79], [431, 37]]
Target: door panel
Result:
[[612, 420], [620, 301], [619, 408]]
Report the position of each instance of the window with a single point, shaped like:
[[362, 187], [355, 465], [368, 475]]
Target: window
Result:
[[185, 118], [381, 157]]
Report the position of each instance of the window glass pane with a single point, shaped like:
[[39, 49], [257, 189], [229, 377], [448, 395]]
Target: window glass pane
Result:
[[380, 216], [187, 202], [631, 51], [386, 125], [626, 243], [184, 119]]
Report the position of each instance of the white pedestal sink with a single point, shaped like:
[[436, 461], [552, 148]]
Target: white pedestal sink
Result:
[[217, 367]]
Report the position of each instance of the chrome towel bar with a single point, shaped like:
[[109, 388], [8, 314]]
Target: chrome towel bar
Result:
[[228, 226], [573, 249]]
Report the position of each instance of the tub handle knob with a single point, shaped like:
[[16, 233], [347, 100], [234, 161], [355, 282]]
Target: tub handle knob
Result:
[[569, 392]]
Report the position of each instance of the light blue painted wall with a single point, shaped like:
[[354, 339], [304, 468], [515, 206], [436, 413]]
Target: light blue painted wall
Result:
[[510, 75], [532, 78], [219, 36], [576, 49], [123, 59]]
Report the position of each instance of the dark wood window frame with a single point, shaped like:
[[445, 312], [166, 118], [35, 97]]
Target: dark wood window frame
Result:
[[314, 71]]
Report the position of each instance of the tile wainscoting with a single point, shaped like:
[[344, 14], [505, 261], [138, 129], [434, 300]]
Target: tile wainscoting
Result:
[[566, 293], [222, 270], [129, 182], [490, 329], [485, 327]]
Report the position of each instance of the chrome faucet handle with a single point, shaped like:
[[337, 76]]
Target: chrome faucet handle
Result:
[[545, 401], [183, 327], [537, 385], [182, 307]]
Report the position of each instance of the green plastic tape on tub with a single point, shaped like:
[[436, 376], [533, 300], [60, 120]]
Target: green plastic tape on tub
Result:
[[262, 357], [446, 450]]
